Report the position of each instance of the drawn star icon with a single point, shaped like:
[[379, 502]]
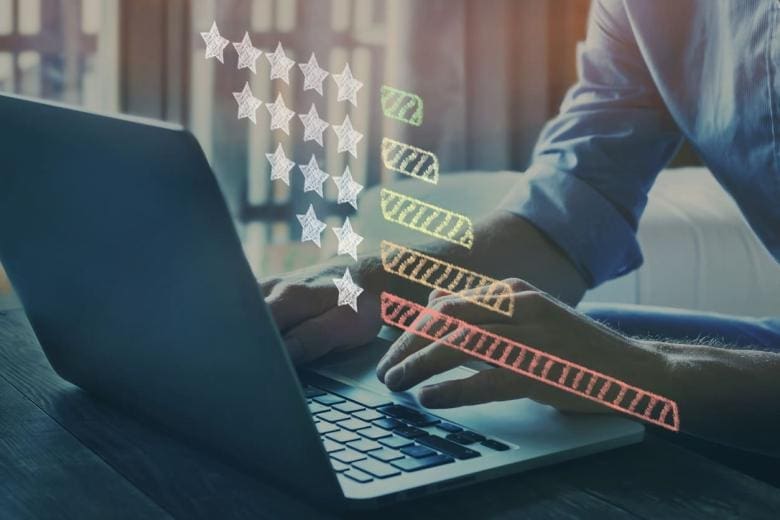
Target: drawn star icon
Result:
[[348, 86], [348, 290], [312, 226], [280, 114], [280, 165], [313, 126], [348, 137], [348, 239], [313, 75], [348, 188], [215, 43], [313, 177], [280, 64], [247, 54], [247, 103]]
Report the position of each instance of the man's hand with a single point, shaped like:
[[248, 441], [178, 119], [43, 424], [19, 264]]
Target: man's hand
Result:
[[540, 322], [304, 306]]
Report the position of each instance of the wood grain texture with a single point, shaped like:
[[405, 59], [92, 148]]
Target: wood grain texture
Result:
[[653, 480]]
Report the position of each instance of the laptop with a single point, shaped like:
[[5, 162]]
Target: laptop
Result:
[[119, 244]]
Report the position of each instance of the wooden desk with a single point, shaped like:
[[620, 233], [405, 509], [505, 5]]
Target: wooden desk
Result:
[[63, 454]]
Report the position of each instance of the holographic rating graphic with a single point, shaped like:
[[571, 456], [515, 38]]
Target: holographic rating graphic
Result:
[[401, 105], [410, 160], [426, 218], [481, 290], [530, 362]]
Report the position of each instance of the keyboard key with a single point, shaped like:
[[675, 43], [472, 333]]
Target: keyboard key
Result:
[[418, 451], [325, 427], [409, 415], [374, 433], [338, 467], [357, 475], [364, 445], [315, 408], [333, 416], [358, 395], [449, 427], [448, 447], [395, 442], [386, 454], [310, 391], [388, 423], [466, 437], [354, 424], [423, 420], [328, 399], [348, 407], [409, 464], [410, 432], [348, 456], [331, 446], [368, 415], [495, 445], [343, 436], [376, 468]]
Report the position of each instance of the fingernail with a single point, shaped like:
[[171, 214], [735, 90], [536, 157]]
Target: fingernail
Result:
[[394, 377], [381, 369], [429, 397], [294, 348]]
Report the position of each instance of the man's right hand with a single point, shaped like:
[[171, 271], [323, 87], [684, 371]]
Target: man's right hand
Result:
[[304, 306]]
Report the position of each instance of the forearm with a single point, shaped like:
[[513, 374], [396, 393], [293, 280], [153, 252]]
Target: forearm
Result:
[[727, 396], [505, 246]]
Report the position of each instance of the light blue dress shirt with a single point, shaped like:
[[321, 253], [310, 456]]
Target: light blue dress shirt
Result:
[[651, 72]]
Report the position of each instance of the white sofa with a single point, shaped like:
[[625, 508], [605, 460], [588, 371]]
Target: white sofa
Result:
[[699, 252]]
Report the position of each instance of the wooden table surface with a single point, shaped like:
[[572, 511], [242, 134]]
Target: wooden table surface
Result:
[[65, 455]]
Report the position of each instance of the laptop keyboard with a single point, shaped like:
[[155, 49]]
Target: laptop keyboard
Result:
[[369, 437]]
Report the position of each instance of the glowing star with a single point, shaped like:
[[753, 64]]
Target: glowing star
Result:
[[348, 239], [247, 103], [348, 86], [280, 64], [313, 75], [313, 126], [280, 115], [280, 165], [313, 177], [348, 189], [348, 290], [312, 226], [247, 54], [348, 137], [215, 43]]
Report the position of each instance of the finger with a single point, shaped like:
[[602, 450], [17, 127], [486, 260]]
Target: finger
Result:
[[419, 366], [493, 384], [266, 286], [293, 303], [405, 345], [336, 329]]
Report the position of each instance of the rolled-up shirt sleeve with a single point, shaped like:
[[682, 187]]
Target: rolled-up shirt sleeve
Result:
[[594, 163]]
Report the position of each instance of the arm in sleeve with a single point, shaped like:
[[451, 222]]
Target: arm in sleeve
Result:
[[594, 163]]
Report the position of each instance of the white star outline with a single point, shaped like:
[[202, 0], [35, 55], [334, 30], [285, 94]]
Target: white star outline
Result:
[[247, 103], [280, 114], [313, 126], [280, 165], [313, 176], [348, 239], [215, 43], [348, 86], [348, 188], [348, 290], [313, 75], [247, 53], [348, 137], [312, 226], [280, 64]]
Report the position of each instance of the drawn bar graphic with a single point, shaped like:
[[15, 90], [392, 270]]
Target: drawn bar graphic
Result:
[[530, 362], [401, 105], [410, 160], [489, 293], [426, 218]]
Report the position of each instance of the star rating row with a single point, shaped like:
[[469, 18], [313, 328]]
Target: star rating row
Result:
[[313, 125], [313, 176], [313, 74]]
